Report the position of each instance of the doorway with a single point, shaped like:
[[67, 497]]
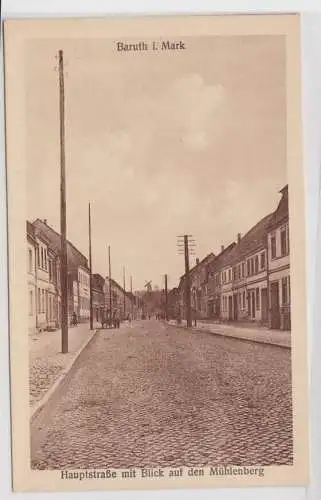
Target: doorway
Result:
[[264, 305], [275, 306]]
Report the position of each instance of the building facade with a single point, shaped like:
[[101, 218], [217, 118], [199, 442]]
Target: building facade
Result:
[[48, 277], [98, 299], [247, 281], [279, 266], [32, 246]]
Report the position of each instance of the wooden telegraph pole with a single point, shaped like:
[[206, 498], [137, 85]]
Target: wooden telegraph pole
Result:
[[90, 272], [188, 286], [63, 224], [131, 297], [124, 287], [186, 247], [109, 269], [166, 299]]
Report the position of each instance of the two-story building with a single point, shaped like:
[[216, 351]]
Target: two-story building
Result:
[[98, 297], [43, 284], [78, 273], [218, 280], [198, 283], [279, 266], [32, 276]]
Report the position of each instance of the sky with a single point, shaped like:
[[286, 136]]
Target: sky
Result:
[[163, 144]]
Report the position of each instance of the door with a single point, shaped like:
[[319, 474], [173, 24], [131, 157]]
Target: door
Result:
[[253, 304], [264, 305], [230, 308], [235, 307], [275, 305]]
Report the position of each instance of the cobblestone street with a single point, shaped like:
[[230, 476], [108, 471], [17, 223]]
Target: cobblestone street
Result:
[[155, 395]]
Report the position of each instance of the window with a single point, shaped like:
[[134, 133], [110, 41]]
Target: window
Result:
[[284, 249], [39, 300], [41, 259], [229, 274], [256, 263], [50, 270], [273, 246], [30, 302], [38, 256], [244, 300], [252, 267], [243, 269], [263, 260], [257, 298], [248, 268], [45, 259], [285, 297], [29, 260]]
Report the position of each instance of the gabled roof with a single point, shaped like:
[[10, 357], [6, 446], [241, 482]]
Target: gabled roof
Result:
[[115, 284], [223, 258], [98, 282], [202, 263], [31, 232], [282, 212], [252, 241], [74, 256]]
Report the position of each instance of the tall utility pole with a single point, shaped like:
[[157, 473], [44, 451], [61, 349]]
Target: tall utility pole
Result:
[[186, 247], [109, 268], [63, 223], [166, 299], [131, 297], [90, 271], [124, 287], [188, 285]]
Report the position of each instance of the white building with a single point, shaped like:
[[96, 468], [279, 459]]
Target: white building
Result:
[[43, 284], [83, 298], [279, 266], [32, 277]]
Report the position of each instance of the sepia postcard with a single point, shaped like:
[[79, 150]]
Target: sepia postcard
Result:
[[158, 330]]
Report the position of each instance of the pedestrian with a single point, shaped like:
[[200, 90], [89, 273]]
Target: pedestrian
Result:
[[74, 319]]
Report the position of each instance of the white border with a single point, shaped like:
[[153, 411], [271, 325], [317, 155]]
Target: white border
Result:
[[311, 28]]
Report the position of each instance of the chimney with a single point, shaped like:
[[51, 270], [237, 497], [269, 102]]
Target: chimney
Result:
[[197, 261], [239, 236], [222, 248], [45, 221]]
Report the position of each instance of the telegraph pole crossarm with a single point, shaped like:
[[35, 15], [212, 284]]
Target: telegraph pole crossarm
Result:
[[186, 246]]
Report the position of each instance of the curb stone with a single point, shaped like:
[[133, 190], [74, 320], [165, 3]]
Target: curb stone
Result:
[[233, 336], [36, 408]]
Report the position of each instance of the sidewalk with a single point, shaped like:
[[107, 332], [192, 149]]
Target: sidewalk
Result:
[[46, 361], [254, 333]]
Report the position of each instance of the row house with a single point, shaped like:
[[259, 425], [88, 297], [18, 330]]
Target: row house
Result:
[[198, 277], [32, 276], [216, 282], [98, 297], [243, 277], [43, 281], [250, 279], [117, 300], [279, 266], [78, 276]]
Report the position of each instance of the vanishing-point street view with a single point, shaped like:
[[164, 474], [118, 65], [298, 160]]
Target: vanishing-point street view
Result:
[[158, 255]]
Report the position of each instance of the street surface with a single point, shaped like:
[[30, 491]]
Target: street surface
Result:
[[153, 395]]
